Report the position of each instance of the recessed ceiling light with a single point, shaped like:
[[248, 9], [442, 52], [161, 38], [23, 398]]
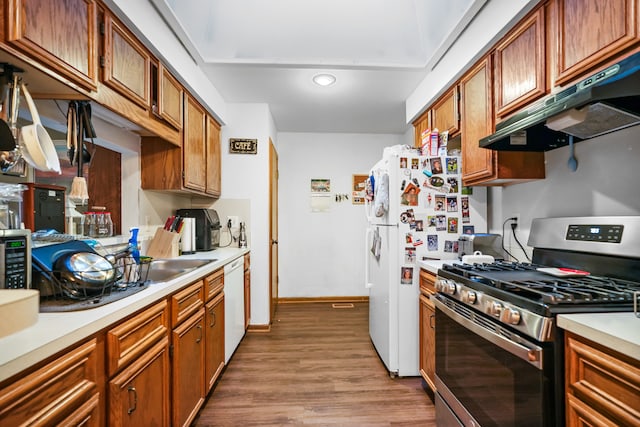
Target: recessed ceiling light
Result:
[[324, 79]]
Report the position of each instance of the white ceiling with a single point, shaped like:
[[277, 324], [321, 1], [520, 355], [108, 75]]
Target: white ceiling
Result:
[[267, 51]]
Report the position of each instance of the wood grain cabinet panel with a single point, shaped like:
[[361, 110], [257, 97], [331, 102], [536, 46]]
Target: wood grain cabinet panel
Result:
[[188, 369], [214, 351], [194, 146], [481, 166], [214, 284], [214, 158], [589, 32], [170, 98], [65, 390], [126, 63], [60, 34], [127, 341], [139, 395], [602, 386], [186, 302], [428, 340], [520, 65], [445, 114], [421, 124]]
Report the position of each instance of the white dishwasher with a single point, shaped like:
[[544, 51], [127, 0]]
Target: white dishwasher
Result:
[[233, 306]]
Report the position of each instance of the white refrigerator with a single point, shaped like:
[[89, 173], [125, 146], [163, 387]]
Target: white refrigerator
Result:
[[416, 209]]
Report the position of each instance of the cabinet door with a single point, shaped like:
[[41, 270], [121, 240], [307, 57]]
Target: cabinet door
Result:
[[62, 35], [139, 395], [214, 354], [602, 385], [194, 146], [126, 63], [427, 341], [445, 115], [67, 389], [214, 163], [188, 382], [481, 166], [477, 122], [520, 65], [422, 124], [590, 32], [170, 98]]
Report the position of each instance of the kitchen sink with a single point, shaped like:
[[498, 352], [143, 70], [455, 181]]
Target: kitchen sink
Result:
[[163, 270]]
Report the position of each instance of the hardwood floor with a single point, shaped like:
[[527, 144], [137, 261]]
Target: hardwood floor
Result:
[[317, 367]]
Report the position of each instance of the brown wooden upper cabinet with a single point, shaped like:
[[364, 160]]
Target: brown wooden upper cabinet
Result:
[[194, 145], [421, 124], [170, 98], [214, 160], [481, 166], [445, 114], [61, 35], [588, 32], [126, 63], [520, 65]]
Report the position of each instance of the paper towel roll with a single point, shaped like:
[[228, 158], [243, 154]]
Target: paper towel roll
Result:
[[188, 238]]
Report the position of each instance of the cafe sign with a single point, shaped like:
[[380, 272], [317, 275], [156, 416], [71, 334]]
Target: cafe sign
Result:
[[243, 146]]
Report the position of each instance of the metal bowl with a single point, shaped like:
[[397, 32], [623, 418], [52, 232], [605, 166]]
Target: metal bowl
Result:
[[88, 271]]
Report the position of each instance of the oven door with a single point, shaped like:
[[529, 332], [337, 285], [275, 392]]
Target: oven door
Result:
[[487, 375]]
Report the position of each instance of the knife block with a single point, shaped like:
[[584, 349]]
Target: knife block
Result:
[[164, 244]]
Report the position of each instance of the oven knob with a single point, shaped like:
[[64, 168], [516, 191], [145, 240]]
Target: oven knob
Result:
[[450, 287], [439, 285], [495, 308], [469, 297], [509, 315]]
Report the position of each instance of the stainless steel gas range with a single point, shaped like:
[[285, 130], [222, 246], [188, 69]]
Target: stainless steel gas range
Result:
[[499, 353]]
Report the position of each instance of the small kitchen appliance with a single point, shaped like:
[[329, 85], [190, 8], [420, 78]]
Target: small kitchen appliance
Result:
[[44, 207], [207, 227], [487, 244], [15, 259], [499, 352]]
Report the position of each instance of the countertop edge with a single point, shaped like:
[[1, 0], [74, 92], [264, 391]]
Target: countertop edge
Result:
[[612, 330], [53, 332]]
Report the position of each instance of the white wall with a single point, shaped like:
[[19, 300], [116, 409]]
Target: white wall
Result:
[[245, 191], [606, 183], [322, 254]]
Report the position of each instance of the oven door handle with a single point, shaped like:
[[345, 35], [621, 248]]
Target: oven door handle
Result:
[[530, 353]]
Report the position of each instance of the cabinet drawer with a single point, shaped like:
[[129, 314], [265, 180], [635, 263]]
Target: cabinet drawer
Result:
[[65, 389], [130, 339], [427, 282], [214, 283], [607, 382], [186, 302]]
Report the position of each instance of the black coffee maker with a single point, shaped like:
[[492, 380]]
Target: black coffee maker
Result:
[[207, 227]]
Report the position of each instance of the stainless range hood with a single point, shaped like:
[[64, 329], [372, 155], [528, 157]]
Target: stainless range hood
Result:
[[602, 103]]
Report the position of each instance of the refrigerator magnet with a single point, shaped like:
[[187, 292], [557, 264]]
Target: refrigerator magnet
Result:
[[406, 275]]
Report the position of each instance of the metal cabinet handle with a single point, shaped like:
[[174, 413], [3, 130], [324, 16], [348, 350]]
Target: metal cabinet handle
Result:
[[132, 391], [199, 327], [213, 318]]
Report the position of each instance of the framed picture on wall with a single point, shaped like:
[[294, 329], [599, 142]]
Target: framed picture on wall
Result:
[[358, 189]]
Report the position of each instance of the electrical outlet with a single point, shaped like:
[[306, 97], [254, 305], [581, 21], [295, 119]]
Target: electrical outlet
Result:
[[517, 219], [234, 220]]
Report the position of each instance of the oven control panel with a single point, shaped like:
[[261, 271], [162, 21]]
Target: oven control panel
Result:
[[595, 233]]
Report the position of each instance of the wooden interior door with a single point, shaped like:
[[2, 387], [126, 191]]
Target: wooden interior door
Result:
[[273, 230]]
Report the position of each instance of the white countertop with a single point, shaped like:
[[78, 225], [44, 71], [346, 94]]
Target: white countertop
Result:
[[54, 332], [618, 331], [433, 265]]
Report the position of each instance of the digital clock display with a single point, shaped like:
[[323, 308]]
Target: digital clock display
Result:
[[12, 244], [594, 230]]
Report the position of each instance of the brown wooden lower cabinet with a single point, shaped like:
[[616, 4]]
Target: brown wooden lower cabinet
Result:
[[139, 395], [214, 352], [602, 385], [427, 329], [187, 382], [66, 391]]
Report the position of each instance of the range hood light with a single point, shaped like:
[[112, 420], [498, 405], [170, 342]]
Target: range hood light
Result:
[[324, 79]]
